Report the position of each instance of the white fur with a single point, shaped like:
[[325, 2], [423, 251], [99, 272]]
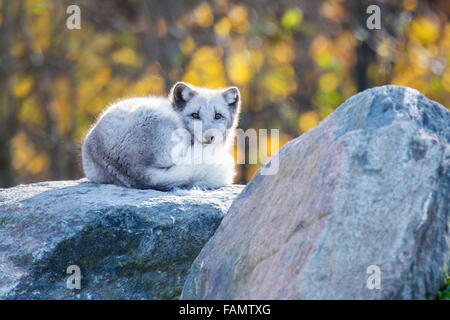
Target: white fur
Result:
[[131, 143]]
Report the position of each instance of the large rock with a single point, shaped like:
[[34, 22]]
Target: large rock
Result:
[[365, 193], [128, 243]]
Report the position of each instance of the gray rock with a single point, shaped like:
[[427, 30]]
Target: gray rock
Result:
[[128, 243], [367, 188]]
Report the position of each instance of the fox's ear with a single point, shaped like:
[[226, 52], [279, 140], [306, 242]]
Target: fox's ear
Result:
[[180, 94], [232, 97]]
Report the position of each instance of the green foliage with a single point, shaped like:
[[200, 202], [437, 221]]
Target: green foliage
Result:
[[445, 293], [292, 18]]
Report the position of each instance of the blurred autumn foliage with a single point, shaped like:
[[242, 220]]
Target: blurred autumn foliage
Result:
[[294, 61]]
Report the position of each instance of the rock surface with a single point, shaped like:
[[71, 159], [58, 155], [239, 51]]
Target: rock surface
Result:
[[128, 243], [365, 193]]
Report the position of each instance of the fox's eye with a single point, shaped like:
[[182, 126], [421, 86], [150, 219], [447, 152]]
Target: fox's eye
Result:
[[218, 116], [195, 115]]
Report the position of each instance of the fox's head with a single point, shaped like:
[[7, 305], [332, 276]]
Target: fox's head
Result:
[[210, 115]]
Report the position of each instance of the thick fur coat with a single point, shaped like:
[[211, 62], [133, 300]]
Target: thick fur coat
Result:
[[182, 141]]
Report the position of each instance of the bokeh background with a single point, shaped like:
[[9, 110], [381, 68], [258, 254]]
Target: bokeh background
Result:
[[294, 61]]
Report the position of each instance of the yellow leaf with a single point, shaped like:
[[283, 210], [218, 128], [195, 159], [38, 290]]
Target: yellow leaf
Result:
[[42, 26], [102, 76], [320, 49], [203, 15], [126, 56], [284, 52], [332, 10], [23, 86], [39, 163], [328, 82], [206, 68], [409, 5], [308, 120], [385, 48], [223, 27], [279, 81], [239, 18], [149, 84], [25, 157], [85, 94], [187, 46], [423, 30], [238, 67], [30, 112]]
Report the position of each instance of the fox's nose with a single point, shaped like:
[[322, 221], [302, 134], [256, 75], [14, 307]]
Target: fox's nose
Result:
[[209, 138]]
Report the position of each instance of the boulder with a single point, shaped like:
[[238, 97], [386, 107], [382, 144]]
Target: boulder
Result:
[[127, 243], [359, 209]]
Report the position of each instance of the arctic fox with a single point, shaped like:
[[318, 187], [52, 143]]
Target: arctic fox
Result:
[[182, 141]]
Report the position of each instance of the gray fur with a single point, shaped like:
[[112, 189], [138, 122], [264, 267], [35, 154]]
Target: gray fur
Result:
[[131, 143]]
